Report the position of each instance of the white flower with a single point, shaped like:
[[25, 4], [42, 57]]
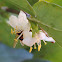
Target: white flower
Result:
[[45, 38], [28, 40], [27, 34], [22, 26], [21, 22]]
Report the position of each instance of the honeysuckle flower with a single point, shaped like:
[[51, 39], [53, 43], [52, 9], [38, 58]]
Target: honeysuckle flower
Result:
[[43, 37], [23, 32], [20, 22], [30, 41]]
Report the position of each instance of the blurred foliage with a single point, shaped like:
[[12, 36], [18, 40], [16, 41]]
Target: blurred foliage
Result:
[[20, 5], [48, 17], [51, 17], [4, 15], [51, 51]]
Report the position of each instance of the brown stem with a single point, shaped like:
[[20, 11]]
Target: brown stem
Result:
[[44, 32], [12, 11]]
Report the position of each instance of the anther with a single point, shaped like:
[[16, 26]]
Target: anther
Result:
[[11, 31], [44, 42]]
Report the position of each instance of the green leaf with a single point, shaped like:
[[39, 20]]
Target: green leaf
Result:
[[59, 2], [49, 14], [20, 5], [56, 34], [1, 3], [46, 14], [32, 2], [49, 18], [50, 52]]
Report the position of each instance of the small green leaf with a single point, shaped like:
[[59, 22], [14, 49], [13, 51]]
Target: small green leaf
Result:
[[20, 5], [34, 26], [49, 14]]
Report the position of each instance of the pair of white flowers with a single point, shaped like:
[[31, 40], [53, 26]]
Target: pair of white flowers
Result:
[[21, 23]]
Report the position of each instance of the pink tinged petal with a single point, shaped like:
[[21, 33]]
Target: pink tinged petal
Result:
[[49, 39]]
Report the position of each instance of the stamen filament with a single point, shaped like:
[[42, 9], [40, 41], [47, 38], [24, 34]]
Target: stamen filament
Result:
[[34, 46], [44, 42], [39, 47], [15, 42], [20, 35], [30, 50]]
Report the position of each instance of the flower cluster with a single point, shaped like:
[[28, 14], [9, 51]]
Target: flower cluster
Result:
[[23, 31]]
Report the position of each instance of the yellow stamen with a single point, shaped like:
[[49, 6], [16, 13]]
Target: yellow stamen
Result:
[[44, 42], [11, 31], [16, 28], [15, 42], [39, 47], [34, 46], [30, 50]]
